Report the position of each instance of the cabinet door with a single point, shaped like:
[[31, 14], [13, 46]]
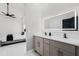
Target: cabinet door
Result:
[[36, 44], [53, 50], [65, 53], [39, 45], [46, 49], [64, 46], [77, 51]]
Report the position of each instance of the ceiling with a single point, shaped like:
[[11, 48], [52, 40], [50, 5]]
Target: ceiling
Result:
[[51, 9]]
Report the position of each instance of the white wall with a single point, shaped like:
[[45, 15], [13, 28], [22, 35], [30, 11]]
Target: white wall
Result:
[[29, 13], [51, 9], [32, 21], [54, 9], [10, 25]]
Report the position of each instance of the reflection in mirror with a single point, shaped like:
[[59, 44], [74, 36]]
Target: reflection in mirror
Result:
[[67, 21], [70, 23]]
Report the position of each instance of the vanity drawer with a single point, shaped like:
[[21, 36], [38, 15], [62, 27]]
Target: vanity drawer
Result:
[[46, 41], [67, 47]]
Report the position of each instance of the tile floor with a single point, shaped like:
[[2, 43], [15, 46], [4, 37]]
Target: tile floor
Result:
[[32, 53]]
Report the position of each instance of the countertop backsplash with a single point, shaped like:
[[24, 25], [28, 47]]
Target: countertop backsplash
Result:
[[58, 34], [69, 34], [73, 35]]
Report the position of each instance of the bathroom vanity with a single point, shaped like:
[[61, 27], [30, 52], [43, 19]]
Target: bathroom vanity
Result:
[[51, 44], [55, 46]]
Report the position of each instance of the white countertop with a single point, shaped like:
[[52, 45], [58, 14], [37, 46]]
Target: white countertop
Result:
[[72, 41]]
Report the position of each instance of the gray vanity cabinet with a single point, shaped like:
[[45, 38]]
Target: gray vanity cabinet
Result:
[[46, 47], [65, 53], [38, 45], [53, 51], [61, 49], [77, 51]]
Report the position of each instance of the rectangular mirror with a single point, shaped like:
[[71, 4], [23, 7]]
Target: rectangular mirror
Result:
[[67, 21]]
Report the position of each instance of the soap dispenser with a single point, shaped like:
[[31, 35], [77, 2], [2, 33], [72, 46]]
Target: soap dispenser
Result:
[[49, 33], [45, 34], [65, 36]]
